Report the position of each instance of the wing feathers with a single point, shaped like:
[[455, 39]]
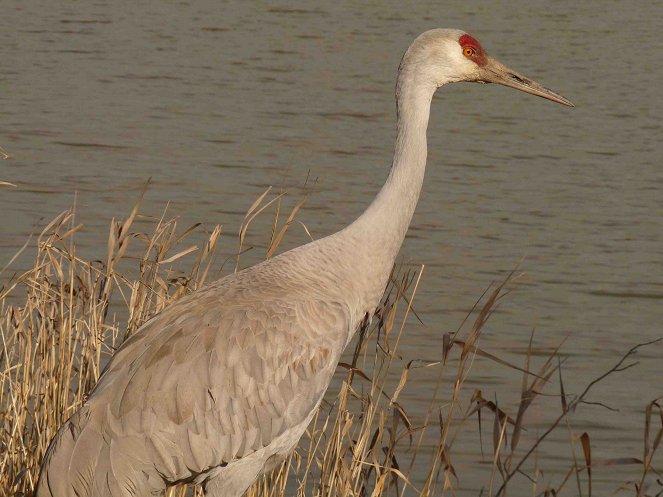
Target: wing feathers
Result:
[[201, 385]]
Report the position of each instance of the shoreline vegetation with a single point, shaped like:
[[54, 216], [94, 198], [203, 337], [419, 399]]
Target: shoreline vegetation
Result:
[[58, 328]]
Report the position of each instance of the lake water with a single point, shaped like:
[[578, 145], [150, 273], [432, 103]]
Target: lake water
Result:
[[218, 100]]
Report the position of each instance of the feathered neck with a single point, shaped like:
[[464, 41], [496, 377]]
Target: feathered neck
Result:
[[383, 225]]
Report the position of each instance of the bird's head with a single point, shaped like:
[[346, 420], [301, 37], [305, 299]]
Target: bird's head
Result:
[[442, 56]]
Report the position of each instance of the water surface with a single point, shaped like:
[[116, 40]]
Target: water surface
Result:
[[217, 101]]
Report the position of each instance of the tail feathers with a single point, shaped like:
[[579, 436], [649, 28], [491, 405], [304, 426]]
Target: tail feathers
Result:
[[69, 467], [53, 468], [85, 460]]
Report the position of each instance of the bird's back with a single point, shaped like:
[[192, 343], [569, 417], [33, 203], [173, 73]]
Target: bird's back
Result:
[[233, 371]]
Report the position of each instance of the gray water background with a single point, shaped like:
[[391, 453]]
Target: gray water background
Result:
[[218, 100]]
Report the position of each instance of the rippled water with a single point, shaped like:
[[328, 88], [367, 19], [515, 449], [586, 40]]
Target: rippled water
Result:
[[217, 101]]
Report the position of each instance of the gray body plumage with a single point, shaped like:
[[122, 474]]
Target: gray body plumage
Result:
[[220, 386], [217, 388]]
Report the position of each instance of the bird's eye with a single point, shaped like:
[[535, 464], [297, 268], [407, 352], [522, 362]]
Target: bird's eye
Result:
[[469, 52]]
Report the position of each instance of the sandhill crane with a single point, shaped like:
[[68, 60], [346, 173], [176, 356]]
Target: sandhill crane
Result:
[[219, 387]]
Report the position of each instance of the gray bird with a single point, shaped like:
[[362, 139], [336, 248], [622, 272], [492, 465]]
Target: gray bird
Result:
[[219, 387]]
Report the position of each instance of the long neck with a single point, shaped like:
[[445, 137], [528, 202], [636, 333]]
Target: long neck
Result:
[[383, 225]]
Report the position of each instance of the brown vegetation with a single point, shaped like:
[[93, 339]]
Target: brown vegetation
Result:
[[58, 328]]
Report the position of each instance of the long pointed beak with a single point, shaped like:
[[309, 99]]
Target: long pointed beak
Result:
[[496, 72]]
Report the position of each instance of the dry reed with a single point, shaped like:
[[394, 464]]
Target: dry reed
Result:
[[58, 328]]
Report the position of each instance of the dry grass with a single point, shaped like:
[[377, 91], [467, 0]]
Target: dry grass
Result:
[[58, 328]]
